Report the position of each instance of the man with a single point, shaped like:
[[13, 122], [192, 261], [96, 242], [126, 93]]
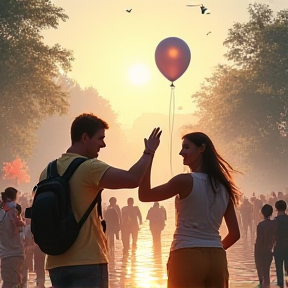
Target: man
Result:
[[113, 204], [112, 219], [156, 216], [130, 226], [85, 263], [246, 211], [11, 245], [281, 245]]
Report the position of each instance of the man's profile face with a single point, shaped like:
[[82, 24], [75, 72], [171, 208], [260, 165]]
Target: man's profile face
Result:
[[95, 143]]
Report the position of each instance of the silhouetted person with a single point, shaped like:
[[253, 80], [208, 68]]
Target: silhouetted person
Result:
[[112, 219], [281, 246], [272, 199], [257, 206], [156, 217], [113, 204], [130, 226], [246, 211], [265, 240], [11, 244]]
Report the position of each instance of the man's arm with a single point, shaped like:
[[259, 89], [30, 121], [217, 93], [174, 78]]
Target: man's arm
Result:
[[139, 215], [114, 178]]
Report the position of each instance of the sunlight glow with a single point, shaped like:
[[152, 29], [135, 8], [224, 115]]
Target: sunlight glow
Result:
[[139, 74]]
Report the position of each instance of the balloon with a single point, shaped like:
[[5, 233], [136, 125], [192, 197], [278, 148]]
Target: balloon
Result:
[[172, 57]]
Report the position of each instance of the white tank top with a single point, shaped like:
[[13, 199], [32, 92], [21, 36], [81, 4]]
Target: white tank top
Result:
[[200, 214]]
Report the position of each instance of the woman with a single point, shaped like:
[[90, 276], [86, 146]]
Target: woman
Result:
[[206, 195]]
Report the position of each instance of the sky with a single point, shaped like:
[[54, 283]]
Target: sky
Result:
[[108, 42]]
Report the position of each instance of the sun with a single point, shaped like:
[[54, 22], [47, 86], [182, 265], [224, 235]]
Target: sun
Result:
[[139, 74]]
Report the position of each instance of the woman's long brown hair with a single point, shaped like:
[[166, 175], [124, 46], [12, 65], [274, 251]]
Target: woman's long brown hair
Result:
[[215, 166]]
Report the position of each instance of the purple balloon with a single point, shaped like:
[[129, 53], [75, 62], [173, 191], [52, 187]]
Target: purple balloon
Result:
[[172, 57]]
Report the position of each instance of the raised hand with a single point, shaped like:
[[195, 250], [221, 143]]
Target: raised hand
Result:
[[152, 143]]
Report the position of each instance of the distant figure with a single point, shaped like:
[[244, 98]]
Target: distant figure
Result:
[[23, 201], [272, 199], [164, 212], [157, 217], [257, 205], [265, 240], [113, 204], [130, 226], [11, 244], [280, 196], [281, 246], [112, 217], [246, 211]]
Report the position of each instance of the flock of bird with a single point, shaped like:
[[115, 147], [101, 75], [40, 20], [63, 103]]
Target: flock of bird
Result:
[[204, 10]]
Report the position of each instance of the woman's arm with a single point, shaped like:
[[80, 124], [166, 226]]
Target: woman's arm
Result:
[[232, 224], [179, 184]]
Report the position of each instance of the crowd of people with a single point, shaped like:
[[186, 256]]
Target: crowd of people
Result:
[[126, 222], [249, 211], [263, 218], [204, 197]]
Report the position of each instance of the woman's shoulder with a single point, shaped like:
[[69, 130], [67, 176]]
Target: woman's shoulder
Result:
[[183, 179]]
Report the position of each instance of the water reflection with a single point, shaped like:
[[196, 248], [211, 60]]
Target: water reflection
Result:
[[145, 265]]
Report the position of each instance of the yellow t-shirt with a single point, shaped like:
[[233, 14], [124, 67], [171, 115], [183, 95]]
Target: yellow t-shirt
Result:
[[90, 246]]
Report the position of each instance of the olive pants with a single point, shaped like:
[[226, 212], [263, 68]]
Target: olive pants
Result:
[[200, 267]]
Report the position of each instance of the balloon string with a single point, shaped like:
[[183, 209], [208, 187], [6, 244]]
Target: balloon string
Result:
[[171, 123]]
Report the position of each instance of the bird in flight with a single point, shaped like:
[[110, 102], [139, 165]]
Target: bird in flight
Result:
[[208, 33], [128, 10], [202, 7]]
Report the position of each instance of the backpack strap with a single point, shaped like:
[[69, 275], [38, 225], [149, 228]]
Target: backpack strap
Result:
[[68, 174], [97, 200], [52, 169], [71, 168]]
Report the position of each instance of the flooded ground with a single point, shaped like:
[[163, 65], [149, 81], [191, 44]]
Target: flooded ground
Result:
[[145, 265]]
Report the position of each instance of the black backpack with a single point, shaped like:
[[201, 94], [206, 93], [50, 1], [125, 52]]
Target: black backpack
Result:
[[53, 223]]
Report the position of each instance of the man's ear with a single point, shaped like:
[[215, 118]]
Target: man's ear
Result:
[[84, 138]]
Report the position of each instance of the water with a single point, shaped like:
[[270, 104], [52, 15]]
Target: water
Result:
[[145, 266]]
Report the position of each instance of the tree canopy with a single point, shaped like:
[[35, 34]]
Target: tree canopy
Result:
[[243, 106], [28, 70], [54, 133]]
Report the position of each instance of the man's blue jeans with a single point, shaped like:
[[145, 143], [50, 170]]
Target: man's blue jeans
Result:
[[80, 276]]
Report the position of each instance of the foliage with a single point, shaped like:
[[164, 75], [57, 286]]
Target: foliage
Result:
[[243, 106], [16, 170], [28, 72]]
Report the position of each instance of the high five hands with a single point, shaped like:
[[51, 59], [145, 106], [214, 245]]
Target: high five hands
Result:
[[152, 143]]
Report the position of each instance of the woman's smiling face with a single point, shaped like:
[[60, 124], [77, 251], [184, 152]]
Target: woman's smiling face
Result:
[[191, 153]]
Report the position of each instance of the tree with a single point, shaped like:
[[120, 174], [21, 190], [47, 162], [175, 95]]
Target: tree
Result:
[[28, 71], [243, 106], [17, 170], [54, 133]]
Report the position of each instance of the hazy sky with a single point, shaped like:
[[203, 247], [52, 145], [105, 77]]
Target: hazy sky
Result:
[[107, 42]]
